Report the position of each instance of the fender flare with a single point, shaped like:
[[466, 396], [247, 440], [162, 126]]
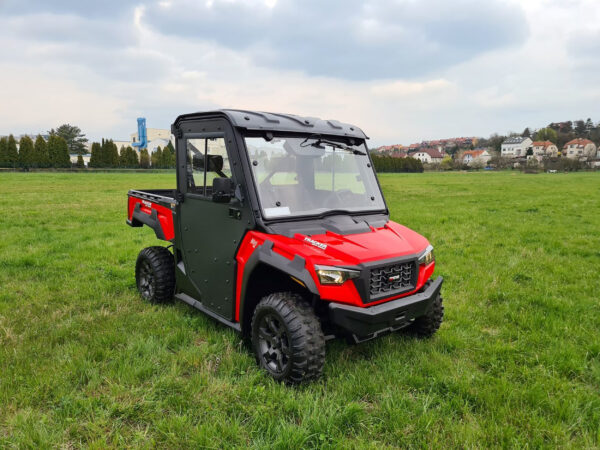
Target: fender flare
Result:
[[264, 254], [138, 216]]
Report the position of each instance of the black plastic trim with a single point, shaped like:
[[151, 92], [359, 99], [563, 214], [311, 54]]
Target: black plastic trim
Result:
[[367, 323], [147, 219], [264, 254], [198, 305]]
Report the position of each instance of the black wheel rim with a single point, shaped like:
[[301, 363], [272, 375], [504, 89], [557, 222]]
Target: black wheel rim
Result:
[[273, 343], [146, 280]]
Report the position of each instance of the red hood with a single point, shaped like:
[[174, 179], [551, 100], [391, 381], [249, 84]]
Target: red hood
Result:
[[390, 241]]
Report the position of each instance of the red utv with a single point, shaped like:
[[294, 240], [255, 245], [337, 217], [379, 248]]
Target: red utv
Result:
[[278, 229]]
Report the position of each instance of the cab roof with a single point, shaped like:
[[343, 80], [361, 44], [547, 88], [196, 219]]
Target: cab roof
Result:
[[265, 121]]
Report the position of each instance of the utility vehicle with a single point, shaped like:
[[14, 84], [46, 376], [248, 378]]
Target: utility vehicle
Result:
[[278, 229]]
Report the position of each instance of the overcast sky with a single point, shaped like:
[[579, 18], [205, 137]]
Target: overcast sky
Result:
[[402, 70]]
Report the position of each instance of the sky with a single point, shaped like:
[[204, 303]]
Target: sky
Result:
[[402, 70]]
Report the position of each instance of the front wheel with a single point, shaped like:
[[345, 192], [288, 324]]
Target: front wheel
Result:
[[287, 338], [427, 325], [155, 274]]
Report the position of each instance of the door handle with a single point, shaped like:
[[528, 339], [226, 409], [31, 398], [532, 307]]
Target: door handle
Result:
[[235, 213]]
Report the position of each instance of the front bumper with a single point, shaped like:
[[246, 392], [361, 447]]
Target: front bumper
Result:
[[367, 323]]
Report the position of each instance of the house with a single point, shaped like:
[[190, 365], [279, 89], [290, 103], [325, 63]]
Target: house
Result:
[[516, 146], [470, 156], [544, 148], [428, 156], [579, 149]]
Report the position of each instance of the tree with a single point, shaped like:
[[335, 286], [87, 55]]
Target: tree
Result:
[[80, 164], [580, 128], [123, 157], [132, 157], [25, 152], [495, 141], [170, 160], [477, 164], [547, 134], [447, 163], [589, 125], [96, 156], [75, 139], [144, 159], [167, 158], [110, 154], [526, 132], [12, 156], [58, 151], [157, 158], [40, 153], [3, 152]]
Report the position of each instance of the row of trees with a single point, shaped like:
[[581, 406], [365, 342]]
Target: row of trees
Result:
[[106, 155], [38, 154], [390, 164]]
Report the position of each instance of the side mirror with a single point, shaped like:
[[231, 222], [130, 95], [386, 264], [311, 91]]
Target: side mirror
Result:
[[222, 190]]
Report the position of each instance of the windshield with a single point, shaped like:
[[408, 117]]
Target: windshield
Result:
[[310, 176]]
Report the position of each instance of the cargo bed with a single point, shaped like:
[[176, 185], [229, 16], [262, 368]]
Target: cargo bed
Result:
[[154, 208]]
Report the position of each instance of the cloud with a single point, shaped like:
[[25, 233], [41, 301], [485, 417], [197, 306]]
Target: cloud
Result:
[[347, 39], [402, 70]]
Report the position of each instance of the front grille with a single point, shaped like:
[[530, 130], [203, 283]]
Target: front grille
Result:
[[392, 279]]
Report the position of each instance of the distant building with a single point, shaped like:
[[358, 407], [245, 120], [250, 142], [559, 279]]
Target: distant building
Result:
[[544, 148], [516, 146], [120, 144], [86, 158], [471, 156], [428, 155], [152, 134], [156, 137], [579, 149]]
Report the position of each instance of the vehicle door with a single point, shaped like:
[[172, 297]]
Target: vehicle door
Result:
[[210, 231]]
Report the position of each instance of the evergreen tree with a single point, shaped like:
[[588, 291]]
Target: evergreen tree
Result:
[[157, 158], [111, 154], [171, 151], [26, 152], [144, 159], [96, 155], [123, 160], [526, 132], [75, 139], [166, 158], [58, 152], [40, 153], [3, 152], [132, 158], [589, 125], [12, 156], [80, 164], [580, 128]]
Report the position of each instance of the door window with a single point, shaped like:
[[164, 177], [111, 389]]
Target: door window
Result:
[[206, 159]]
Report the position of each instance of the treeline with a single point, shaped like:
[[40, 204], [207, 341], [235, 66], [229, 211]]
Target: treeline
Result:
[[390, 164], [38, 154], [105, 155]]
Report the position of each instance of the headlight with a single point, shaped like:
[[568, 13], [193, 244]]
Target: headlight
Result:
[[427, 256], [335, 275]]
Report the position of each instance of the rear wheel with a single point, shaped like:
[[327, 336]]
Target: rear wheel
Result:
[[155, 274], [287, 338], [427, 325]]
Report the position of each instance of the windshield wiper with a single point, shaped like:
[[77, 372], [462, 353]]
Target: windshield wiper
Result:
[[318, 141]]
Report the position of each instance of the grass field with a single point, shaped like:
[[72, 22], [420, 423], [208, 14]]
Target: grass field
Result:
[[84, 362]]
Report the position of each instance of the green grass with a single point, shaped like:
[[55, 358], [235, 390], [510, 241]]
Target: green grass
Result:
[[84, 362]]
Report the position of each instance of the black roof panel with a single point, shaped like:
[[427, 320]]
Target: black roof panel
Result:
[[257, 120]]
